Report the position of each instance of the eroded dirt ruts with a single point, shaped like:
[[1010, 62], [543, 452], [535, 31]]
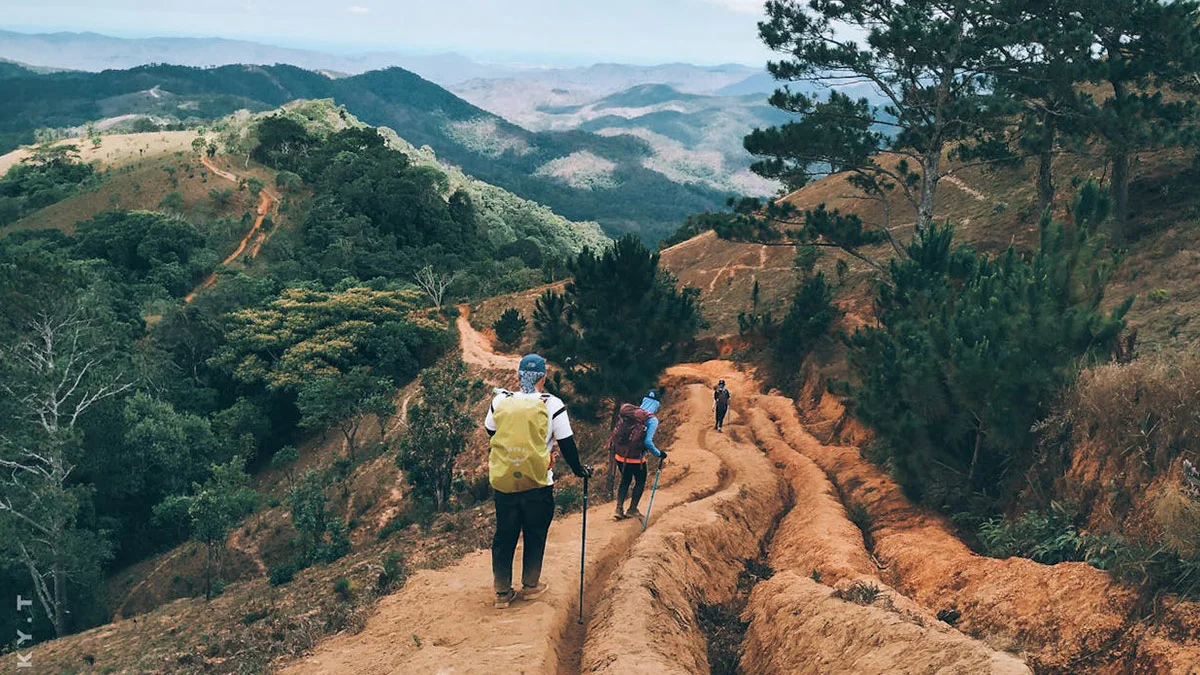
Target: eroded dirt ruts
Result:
[[443, 620], [721, 496], [254, 237], [1063, 618], [646, 620], [798, 625]]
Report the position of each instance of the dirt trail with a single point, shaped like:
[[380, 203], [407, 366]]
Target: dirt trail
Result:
[[267, 200], [646, 621], [962, 185], [1063, 618], [442, 620], [724, 500], [477, 349]]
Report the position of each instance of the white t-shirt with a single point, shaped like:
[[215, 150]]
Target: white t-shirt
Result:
[[560, 425]]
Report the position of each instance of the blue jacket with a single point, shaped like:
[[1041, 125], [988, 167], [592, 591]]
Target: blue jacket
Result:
[[651, 406]]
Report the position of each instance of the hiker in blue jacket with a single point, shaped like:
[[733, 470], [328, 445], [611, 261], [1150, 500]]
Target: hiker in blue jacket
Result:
[[632, 437]]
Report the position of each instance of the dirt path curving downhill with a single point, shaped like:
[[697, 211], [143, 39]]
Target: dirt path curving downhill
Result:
[[254, 237], [442, 620], [841, 600], [477, 349], [646, 621]]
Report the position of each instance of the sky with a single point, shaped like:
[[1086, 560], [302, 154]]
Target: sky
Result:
[[553, 32]]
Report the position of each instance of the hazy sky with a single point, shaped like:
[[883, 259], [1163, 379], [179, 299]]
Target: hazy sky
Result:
[[574, 31]]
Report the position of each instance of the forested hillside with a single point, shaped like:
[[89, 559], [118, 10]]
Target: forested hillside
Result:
[[630, 196], [144, 377]]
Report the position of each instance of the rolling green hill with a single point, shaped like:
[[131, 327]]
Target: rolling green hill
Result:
[[534, 165]]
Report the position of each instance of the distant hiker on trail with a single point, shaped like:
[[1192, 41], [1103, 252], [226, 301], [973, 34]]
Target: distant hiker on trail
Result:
[[630, 439], [720, 403], [524, 426]]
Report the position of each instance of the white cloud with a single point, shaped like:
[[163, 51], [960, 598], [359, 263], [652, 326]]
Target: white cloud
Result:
[[743, 6], [358, 9]]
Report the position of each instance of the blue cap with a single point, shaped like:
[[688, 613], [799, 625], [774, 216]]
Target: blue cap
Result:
[[532, 363], [653, 394]]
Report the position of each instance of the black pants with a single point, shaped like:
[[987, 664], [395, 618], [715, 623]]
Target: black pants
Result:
[[721, 410], [635, 473], [521, 513]]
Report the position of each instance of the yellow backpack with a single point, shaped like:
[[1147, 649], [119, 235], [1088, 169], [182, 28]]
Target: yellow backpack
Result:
[[519, 459]]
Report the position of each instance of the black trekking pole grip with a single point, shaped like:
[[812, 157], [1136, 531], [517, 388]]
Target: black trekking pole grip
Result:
[[583, 546]]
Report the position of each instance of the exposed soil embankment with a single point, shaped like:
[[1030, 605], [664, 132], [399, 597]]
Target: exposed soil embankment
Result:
[[798, 626], [1063, 618], [647, 618], [825, 610], [443, 619]]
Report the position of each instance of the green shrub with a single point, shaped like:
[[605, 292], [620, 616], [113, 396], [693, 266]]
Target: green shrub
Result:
[[970, 350], [282, 573], [1154, 569], [393, 571], [510, 327], [859, 592], [344, 588], [568, 498], [1047, 537], [221, 197]]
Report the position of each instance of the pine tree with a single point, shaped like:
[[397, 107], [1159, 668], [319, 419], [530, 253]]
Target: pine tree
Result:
[[931, 63], [1042, 66], [623, 319], [510, 327], [970, 348], [809, 319], [552, 318], [1141, 49]]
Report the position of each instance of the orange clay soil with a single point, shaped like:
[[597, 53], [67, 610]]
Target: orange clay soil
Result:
[[1063, 618], [646, 621], [443, 620], [254, 237], [798, 625], [720, 496]]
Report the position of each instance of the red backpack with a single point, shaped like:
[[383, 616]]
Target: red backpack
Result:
[[630, 433]]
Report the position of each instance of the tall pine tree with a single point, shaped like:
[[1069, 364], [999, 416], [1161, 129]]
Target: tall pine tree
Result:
[[621, 321], [929, 67], [969, 349], [1141, 50]]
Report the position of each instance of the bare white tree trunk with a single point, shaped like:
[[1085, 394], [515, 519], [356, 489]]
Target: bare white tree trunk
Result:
[[433, 283], [60, 379]]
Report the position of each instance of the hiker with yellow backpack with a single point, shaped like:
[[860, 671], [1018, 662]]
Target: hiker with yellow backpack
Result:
[[524, 426]]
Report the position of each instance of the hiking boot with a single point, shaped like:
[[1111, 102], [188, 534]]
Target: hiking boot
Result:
[[503, 600], [533, 592], [620, 514], [633, 513]]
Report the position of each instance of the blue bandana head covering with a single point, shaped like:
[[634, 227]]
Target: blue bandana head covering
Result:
[[529, 380], [530, 371]]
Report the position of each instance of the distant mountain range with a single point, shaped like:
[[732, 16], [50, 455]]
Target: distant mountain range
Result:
[[583, 176], [694, 137], [94, 52], [572, 138]]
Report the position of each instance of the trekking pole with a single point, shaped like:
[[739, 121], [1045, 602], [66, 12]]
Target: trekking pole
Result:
[[583, 547], [654, 489]]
